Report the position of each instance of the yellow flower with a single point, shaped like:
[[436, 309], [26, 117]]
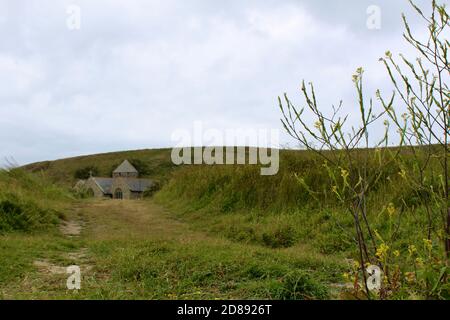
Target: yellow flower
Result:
[[334, 189], [344, 173], [382, 251], [410, 276], [318, 124], [412, 249], [396, 253], [419, 261], [402, 173], [428, 244], [346, 276], [390, 209]]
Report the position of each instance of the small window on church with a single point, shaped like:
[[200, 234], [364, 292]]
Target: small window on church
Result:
[[118, 194]]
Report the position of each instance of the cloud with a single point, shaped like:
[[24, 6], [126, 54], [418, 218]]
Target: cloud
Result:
[[136, 71]]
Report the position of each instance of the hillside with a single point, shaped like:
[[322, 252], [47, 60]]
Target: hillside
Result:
[[158, 164], [63, 171], [297, 209], [140, 249], [239, 203]]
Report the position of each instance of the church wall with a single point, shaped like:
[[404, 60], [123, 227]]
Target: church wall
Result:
[[120, 183], [91, 184]]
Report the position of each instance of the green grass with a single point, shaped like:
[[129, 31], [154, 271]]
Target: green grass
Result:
[[280, 211], [228, 232], [137, 250], [29, 202]]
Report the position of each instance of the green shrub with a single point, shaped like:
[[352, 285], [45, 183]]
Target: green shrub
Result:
[[18, 216], [28, 201], [150, 192], [86, 172], [141, 166], [297, 285], [280, 237], [244, 234]]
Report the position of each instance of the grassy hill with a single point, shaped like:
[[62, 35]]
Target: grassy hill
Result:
[[297, 208], [138, 249], [239, 203], [63, 171]]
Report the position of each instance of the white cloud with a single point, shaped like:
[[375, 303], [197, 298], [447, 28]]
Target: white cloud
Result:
[[136, 71]]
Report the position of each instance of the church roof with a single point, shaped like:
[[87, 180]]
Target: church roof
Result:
[[125, 167], [139, 185], [105, 184]]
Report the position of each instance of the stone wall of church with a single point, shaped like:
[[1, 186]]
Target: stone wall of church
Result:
[[120, 184], [91, 184]]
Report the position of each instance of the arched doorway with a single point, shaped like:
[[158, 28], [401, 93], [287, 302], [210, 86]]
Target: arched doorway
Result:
[[118, 194]]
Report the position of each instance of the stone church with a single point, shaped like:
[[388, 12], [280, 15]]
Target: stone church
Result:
[[124, 184]]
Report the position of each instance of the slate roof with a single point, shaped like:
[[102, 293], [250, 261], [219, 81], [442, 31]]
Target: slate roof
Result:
[[125, 167], [135, 184], [105, 184], [139, 185]]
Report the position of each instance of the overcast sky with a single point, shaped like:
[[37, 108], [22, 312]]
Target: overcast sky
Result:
[[136, 71]]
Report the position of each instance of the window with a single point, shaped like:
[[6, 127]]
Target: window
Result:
[[118, 194]]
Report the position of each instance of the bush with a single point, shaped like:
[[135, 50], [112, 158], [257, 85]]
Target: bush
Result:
[[86, 172], [150, 192], [298, 285], [29, 201], [24, 216], [281, 237], [141, 166]]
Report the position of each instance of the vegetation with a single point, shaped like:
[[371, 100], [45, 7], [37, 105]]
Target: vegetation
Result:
[[316, 230], [136, 250], [28, 202], [355, 175], [156, 164], [86, 172]]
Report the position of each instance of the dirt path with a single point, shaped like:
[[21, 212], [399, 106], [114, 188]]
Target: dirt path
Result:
[[105, 220], [118, 219], [70, 229]]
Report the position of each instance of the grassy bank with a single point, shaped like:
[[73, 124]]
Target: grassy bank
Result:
[[29, 202], [299, 206], [30, 209], [280, 210]]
